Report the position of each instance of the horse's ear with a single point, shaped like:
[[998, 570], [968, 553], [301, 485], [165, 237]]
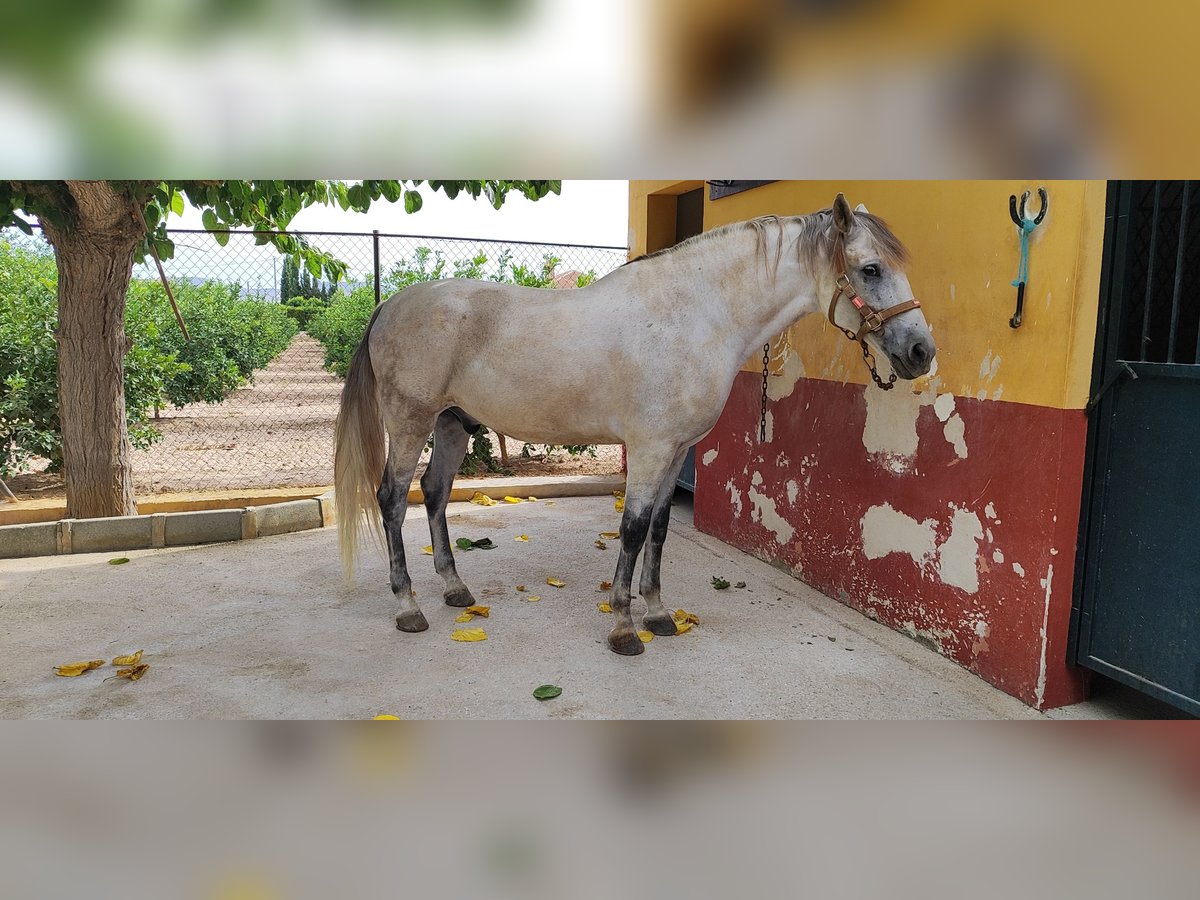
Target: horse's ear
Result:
[[843, 218], [861, 208]]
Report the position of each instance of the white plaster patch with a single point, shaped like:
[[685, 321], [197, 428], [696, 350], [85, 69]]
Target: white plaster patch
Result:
[[735, 498], [756, 478], [990, 510], [955, 432], [770, 429], [1053, 552], [943, 406], [710, 457], [783, 385], [1041, 682], [998, 392], [782, 461], [981, 628], [953, 293], [885, 530], [765, 512], [983, 366], [891, 429], [1019, 569], [793, 490], [997, 556], [958, 557]]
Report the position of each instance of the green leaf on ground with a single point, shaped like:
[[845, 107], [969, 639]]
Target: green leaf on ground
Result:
[[119, 561], [468, 544], [547, 692], [719, 583]]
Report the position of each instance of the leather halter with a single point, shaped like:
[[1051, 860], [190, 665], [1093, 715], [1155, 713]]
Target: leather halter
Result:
[[872, 320]]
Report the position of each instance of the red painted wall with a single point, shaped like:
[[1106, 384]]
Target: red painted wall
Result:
[[1020, 481]]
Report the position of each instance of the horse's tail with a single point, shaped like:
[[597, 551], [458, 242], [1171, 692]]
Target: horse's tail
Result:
[[358, 457]]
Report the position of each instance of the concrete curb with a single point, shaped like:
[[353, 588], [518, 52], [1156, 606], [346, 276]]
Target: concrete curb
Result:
[[206, 526]]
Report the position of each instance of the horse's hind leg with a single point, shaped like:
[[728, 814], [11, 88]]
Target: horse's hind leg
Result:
[[403, 453], [648, 466], [658, 619], [450, 437]]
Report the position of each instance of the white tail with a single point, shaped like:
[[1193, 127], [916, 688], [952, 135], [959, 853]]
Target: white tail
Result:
[[358, 457]]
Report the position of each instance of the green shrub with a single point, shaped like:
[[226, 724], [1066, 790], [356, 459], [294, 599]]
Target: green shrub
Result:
[[341, 327], [29, 425], [302, 309], [231, 338]]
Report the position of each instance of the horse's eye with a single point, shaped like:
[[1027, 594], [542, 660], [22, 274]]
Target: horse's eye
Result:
[[871, 271]]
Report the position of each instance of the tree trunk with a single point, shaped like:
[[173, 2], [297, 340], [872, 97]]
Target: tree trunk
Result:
[[94, 251]]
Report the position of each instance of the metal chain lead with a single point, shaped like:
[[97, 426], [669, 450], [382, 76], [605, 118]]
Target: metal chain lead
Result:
[[870, 360], [762, 419]]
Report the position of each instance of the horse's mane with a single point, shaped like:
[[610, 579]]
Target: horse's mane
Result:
[[819, 241]]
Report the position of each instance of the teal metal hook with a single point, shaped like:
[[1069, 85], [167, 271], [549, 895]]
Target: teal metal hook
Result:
[[1025, 227]]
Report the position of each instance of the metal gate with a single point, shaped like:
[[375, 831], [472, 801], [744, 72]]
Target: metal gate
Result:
[[1137, 603]]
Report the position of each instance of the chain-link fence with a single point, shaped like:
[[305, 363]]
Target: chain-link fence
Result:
[[255, 409]]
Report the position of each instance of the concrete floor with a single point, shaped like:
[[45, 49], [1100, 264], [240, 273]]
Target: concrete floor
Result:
[[267, 629]]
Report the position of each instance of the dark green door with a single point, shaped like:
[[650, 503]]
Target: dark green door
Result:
[[1137, 615]]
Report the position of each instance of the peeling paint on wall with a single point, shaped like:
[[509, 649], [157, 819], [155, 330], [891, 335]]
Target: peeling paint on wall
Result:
[[955, 432], [1041, 681], [943, 406], [735, 498], [1019, 569], [791, 372], [885, 530], [764, 511], [793, 490], [711, 456], [958, 557], [770, 429], [890, 434]]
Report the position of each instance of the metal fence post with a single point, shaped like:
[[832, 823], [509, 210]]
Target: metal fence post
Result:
[[375, 240]]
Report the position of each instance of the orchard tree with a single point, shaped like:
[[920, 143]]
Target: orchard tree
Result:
[[98, 229]]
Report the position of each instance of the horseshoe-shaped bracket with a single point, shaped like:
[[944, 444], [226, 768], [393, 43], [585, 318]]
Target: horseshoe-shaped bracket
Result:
[[1019, 220]]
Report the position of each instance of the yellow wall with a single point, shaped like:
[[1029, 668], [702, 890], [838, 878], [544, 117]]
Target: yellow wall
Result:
[[964, 252]]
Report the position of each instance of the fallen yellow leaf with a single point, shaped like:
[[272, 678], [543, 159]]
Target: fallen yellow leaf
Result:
[[508, 499], [523, 538], [601, 545], [70, 670], [478, 610], [520, 587], [131, 660], [681, 627], [463, 617], [554, 582], [618, 494], [682, 615], [386, 719], [610, 535], [606, 585], [133, 673], [604, 607], [428, 551], [481, 499], [468, 635], [646, 636], [531, 499], [533, 599], [619, 506]]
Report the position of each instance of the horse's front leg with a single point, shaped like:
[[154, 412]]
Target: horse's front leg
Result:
[[647, 469], [658, 619]]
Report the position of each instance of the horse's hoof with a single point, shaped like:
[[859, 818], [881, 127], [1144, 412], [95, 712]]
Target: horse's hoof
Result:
[[412, 621], [459, 597], [627, 643], [660, 624]]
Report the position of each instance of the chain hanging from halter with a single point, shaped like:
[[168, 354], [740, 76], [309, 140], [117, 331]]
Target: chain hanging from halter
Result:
[[870, 360], [762, 418]]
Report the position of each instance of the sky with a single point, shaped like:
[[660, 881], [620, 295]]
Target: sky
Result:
[[587, 212]]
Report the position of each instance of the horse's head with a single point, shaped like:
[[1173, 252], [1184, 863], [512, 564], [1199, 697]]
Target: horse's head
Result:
[[872, 300]]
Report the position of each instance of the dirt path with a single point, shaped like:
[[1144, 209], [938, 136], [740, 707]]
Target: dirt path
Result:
[[276, 432]]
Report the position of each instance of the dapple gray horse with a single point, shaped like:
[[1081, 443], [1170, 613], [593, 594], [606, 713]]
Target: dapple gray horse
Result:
[[645, 356]]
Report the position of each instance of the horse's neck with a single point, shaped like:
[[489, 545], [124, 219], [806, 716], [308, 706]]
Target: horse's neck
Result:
[[751, 297]]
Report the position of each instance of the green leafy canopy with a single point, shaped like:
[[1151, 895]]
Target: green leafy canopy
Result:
[[264, 206]]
